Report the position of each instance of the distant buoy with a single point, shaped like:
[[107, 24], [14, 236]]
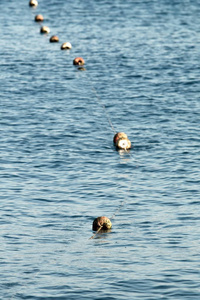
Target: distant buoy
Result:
[[54, 39], [78, 61], [123, 143], [119, 135], [39, 18], [66, 46], [101, 223], [33, 3], [44, 29]]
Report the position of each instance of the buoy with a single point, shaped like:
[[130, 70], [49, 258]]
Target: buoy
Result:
[[78, 61], [123, 143], [44, 29], [39, 18], [33, 3], [101, 223], [54, 39], [66, 46], [119, 135]]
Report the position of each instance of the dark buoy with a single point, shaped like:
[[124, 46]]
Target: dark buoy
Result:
[[123, 143], [101, 223], [78, 61], [119, 135], [44, 29], [66, 46], [39, 18], [33, 3], [54, 39]]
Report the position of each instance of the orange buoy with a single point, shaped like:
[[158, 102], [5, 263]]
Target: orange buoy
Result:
[[66, 46], [78, 61], [119, 135], [123, 143], [44, 29], [39, 18], [33, 3], [54, 39], [101, 223]]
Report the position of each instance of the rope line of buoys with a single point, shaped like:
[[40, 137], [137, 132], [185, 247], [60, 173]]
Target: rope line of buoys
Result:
[[120, 139], [104, 108]]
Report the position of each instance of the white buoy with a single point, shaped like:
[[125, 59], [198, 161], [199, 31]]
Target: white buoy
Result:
[[33, 3], [44, 29], [66, 46], [123, 143], [119, 135]]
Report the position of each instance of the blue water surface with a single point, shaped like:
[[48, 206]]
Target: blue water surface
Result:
[[59, 169]]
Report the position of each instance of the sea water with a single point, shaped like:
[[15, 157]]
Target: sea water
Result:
[[59, 169]]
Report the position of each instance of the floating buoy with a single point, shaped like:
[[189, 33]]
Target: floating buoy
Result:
[[123, 143], [33, 3], [54, 39], [44, 29], [78, 61], [101, 223], [39, 18], [119, 135], [66, 46]]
